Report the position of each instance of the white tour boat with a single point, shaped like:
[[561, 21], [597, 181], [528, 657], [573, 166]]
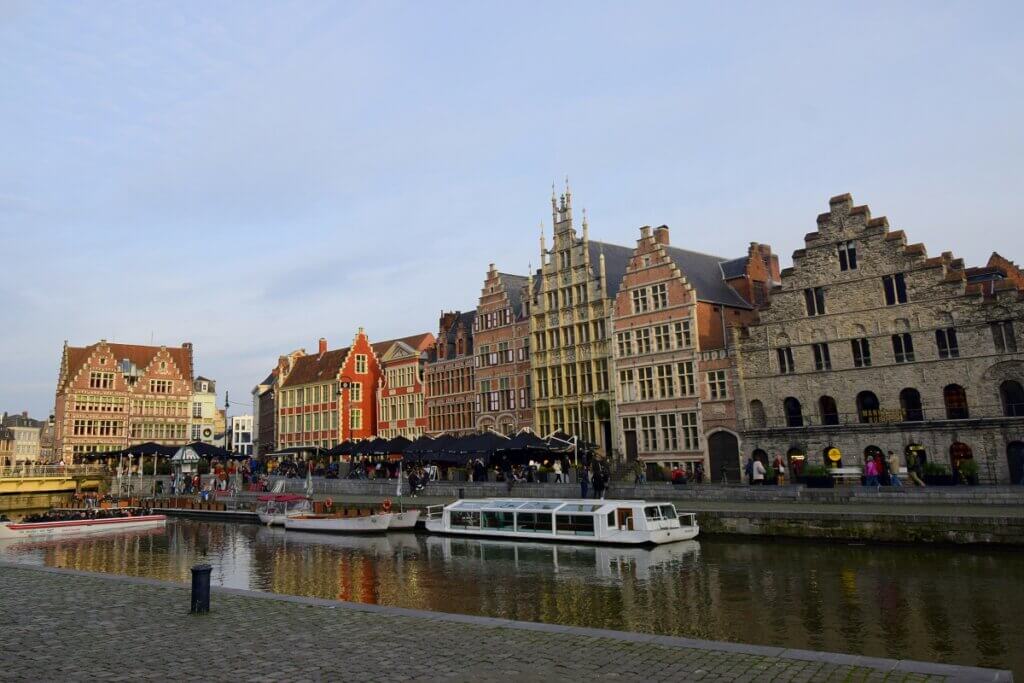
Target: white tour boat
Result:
[[627, 522], [70, 527], [366, 524], [275, 508], [404, 520]]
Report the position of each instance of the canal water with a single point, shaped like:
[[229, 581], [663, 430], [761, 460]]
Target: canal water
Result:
[[963, 606]]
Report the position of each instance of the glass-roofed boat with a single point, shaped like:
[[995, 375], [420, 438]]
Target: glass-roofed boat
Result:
[[628, 522]]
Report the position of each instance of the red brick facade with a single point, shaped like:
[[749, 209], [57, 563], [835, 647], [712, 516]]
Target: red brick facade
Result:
[[401, 405], [451, 392]]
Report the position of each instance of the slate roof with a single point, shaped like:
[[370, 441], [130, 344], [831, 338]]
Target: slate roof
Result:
[[138, 354], [514, 285], [316, 368], [703, 271], [420, 342], [734, 268]]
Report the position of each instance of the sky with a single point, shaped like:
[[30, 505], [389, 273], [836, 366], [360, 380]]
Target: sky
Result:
[[251, 176]]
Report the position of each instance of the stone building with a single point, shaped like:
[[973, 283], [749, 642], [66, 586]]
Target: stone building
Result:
[[6, 447], [674, 363], [401, 408], [871, 345], [450, 392], [110, 396], [264, 414], [206, 423], [27, 435], [502, 334], [570, 351]]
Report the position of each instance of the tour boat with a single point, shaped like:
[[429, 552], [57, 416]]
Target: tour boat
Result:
[[404, 520], [626, 522], [79, 526], [330, 524], [274, 508]]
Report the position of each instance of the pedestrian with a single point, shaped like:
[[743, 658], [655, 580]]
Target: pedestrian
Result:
[[871, 473], [638, 471], [914, 468], [893, 461], [780, 470], [598, 482], [557, 467], [758, 471], [584, 482], [748, 470]]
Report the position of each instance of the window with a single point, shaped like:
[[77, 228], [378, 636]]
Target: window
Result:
[[101, 380], [716, 385], [355, 418], [640, 300], [662, 336], [196, 433], [197, 409], [684, 371], [867, 407], [847, 255], [355, 392], [534, 522], [1012, 395], [574, 525], [648, 433], [815, 300], [822, 358], [945, 340], [861, 352], [895, 289], [627, 390], [160, 386], [1003, 336], [500, 520], [910, 405], [688, 428], [669, 439], [903, 347], [659, 296], [646, 380], [464, 519], [828, 412], [361, 363], [625, 341], [794, 412], [786, 365], [666, 385], [956, 402], [643, 341], [683, 337]]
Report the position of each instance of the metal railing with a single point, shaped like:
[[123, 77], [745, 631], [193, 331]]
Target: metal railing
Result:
[[31, 470]]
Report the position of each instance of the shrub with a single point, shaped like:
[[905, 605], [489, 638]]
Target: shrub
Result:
[[936, 469], [815, 471]]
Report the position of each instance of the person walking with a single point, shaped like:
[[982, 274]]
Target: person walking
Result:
[[780, 470], [758, 471], [639, 474], [599, 481], [893, 461], [748, 470], [584, 482], [914, 468], [871, 473], [557, 467]]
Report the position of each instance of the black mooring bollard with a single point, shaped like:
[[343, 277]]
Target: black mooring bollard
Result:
[[201, 588]]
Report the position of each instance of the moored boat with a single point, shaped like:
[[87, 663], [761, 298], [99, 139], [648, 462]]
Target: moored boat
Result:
[[83, 522], [404, 520], [332, 524], [275, 508], [626, 522]]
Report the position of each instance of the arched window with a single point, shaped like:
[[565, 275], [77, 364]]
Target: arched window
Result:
[[867, 407], [827, 411], [1012, 395], [757, 418], [794, 413], [910, 404], [956, 402]]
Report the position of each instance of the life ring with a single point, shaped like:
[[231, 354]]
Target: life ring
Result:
[[386, 505], [328, 503]]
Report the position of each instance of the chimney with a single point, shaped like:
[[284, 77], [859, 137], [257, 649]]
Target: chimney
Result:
[[323, 346], [661, 235], [24, 413]]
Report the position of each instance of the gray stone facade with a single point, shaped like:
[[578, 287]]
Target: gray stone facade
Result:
[[868, 342]]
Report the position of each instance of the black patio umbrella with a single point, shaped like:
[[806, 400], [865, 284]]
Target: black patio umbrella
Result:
[[527, 441], [398, 445], [380, 446], [362, 449], [421, 445], [208, 451], [151, 448]]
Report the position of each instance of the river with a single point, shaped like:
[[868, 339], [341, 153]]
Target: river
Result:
[[957, 605]]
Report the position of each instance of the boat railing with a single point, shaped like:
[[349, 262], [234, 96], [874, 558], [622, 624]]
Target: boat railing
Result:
[[435, 511], [687, 519]]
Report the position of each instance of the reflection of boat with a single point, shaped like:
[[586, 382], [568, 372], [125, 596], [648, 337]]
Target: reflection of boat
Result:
[[404, 520], [608, 561], [376, 543], [329, 524], [618, 522], [274, 508], [79, 527]]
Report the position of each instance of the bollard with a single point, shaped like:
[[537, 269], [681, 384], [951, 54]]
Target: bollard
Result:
[[201, 589]]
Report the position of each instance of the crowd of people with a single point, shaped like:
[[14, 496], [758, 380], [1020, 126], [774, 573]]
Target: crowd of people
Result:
[[83, 514]]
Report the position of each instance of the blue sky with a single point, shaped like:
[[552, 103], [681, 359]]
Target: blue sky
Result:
[[251, 176]]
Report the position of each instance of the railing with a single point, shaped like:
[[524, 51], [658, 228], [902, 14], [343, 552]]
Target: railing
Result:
[[29, 470], [435, 511], [882, 416]]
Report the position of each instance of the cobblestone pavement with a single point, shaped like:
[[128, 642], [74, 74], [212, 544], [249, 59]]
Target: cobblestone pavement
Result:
[[62, 625]]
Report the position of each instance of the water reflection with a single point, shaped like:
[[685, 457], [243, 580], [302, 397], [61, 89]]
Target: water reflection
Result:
[[935, 604]]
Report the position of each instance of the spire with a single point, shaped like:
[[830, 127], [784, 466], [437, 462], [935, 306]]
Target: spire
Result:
[[568, 194], [543, 246], [586, 236]]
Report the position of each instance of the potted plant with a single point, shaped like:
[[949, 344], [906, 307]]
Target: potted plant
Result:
[[818, 477], [937, 474], [968, 470], [542, 473]]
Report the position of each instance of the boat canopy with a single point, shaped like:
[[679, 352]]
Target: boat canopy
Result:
[[533, 505]]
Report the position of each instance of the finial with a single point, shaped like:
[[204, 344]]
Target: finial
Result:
[[586, 236]]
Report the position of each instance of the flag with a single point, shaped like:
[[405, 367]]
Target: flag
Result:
[[399, 491]]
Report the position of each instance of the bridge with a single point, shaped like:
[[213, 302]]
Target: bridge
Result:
[[29, 479]]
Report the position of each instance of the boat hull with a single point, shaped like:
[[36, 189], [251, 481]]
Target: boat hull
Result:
[[371, 524], [634, 538], [404, 520], [79, 527]]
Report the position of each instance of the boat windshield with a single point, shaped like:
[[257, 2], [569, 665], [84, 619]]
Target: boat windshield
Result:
[[469, 505], [669, 512]]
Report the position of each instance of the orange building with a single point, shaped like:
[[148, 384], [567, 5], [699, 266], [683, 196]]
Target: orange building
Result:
[[400, 387]]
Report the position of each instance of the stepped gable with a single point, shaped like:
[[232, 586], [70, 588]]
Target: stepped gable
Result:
[[514, 286], [139, 354]]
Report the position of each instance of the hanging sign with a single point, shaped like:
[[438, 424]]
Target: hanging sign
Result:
[[834, 454]]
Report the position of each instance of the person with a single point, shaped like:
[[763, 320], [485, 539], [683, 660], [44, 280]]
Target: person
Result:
[[698, 473], [678, 476], [914, 468], [780, 470], [557, 467], [414, 482], [748, 470], [882, 466], [584, 482], [758, 469], [640, 474], [893, 462], [871, 473], [598, 478]]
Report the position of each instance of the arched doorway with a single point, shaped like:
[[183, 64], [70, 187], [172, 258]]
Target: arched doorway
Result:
[[796, 459], [958, 452], [1015, 459], [724, 453], [915, 452], [761, 455], [872, 452]]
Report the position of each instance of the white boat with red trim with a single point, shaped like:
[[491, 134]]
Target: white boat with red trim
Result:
[[334, 524], [98, 524]]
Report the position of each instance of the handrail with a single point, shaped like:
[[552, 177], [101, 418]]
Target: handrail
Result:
[[30, 470]]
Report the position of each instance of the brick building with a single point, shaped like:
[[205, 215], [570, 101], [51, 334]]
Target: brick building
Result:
[[871, 345], [400, 390], [450, 391], [110, 396], [674, 361], [264, 407], [502, 336]]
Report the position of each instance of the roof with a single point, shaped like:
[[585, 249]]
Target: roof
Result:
[[419, 342], [513, 286], [316, 368], [19, 420], [138, 354], [734, 268], [466, 320], [702, 271]]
